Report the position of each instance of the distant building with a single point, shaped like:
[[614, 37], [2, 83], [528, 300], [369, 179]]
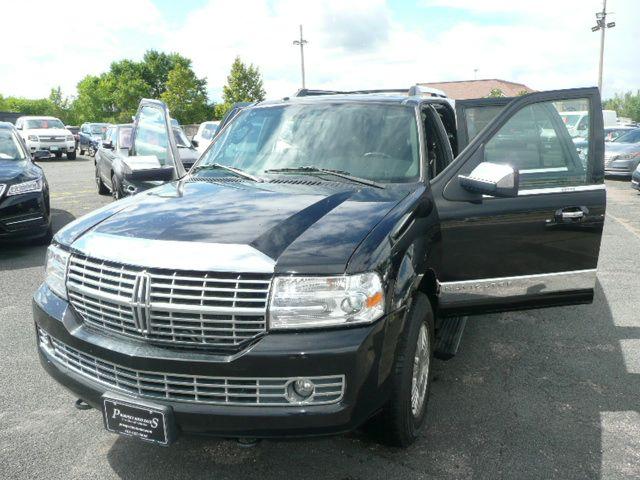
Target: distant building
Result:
[[464, 89]]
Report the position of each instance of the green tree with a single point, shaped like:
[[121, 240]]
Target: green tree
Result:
[[156, 67], [244, 84], [186, 96], [495, 93], [625, 104]]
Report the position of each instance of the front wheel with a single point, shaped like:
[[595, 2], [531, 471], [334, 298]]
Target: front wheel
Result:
[[404, 414], [116, 190]]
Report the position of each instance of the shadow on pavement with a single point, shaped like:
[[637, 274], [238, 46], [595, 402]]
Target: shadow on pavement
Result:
[[26, 254], [523, 399]]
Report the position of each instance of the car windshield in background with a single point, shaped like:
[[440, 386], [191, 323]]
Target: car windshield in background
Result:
[[181, 138], [630, 137], [44, 123], [9, 146], [98, 129], [373, 141], [124, 137]]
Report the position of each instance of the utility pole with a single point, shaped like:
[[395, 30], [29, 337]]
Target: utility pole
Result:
[[602, 25], [302, 43]]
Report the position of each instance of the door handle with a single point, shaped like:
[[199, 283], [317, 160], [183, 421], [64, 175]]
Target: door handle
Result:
[[572, 215]]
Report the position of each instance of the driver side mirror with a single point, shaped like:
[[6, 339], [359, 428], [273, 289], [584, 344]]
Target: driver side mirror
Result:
[[107, 144], [194, 143], [493, 179]]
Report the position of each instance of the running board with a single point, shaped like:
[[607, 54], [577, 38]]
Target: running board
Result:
[[449, 336]]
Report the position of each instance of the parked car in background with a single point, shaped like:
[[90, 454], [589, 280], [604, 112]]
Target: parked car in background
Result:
[[622, 156], [186, 148], [635, 178], [133, 157], [47, 133], [298, 280], [91, 135], [206, 132], [75, 131], [611, 133], [578, 122], [24, 193]]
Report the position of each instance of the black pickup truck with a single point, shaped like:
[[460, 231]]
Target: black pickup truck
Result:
[[300, 277]]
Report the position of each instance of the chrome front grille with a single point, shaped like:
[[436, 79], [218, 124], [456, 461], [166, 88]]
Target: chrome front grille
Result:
[[259, 391], [51, 139], [169, 307]]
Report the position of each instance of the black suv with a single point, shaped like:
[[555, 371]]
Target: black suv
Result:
[[295, 282]]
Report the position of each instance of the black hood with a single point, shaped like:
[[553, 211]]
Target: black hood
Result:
[[302, 228], [12, 171]]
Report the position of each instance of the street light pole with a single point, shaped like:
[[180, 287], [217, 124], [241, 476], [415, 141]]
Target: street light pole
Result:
[[602, 25], [302, 43]]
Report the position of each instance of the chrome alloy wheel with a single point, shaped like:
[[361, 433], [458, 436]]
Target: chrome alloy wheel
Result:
[[420, 378]]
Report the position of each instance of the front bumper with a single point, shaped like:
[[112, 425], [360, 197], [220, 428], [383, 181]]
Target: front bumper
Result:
[[24, 216], [361, 354], [53, 147]]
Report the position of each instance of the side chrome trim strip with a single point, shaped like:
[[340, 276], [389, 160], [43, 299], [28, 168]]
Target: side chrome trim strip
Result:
[[174, 255], [505, 287], [577, 188]]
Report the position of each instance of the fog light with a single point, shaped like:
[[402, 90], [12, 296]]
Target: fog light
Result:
[[300, 390]]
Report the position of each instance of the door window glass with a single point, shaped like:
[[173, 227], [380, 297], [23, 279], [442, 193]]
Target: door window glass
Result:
[[546, 150], [151, 135], [477, 118], [125, 137]]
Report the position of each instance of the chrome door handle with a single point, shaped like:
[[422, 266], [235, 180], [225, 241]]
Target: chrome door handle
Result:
[[572, 215]]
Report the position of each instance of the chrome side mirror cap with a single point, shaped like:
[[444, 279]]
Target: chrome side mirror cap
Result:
[[493, 179]]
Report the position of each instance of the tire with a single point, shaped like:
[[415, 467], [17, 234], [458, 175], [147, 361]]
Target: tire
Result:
[[91, 152], [405, 412], [116, 190], [71, 155], [102, 188], [58, 154]]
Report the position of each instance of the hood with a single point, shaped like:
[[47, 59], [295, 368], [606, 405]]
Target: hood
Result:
[[17, 172], [302, 229], [48, 132], [616, 148]]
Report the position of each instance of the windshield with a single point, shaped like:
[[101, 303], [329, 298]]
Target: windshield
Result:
[[10, 148], [374, 141], [181, 138], [98, 129], [630, 137], [44, 123], [571, 119]]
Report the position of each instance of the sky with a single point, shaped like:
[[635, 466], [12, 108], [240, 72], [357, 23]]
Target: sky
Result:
[[352, 44]]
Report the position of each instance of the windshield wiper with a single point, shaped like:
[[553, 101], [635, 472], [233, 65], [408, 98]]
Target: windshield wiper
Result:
[[237, 171], [337, 173]]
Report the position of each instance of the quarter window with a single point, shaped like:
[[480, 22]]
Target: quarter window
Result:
[[546, 150]]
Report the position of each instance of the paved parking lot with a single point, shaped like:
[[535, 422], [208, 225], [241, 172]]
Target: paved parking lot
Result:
[[552, 393]]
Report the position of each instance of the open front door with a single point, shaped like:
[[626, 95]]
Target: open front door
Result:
[[540, 245]]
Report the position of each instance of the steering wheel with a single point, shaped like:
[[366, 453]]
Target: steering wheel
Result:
[[377, 154]]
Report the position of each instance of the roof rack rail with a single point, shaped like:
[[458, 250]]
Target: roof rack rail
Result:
[[308, 92], [414, 90]]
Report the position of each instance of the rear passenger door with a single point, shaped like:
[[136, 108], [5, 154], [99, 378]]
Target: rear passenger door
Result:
[[540, 246]]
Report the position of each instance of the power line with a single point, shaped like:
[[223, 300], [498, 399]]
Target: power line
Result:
[[302, 42], [602, 25]]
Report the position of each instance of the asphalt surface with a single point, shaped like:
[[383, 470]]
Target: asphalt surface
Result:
[[551, 393]]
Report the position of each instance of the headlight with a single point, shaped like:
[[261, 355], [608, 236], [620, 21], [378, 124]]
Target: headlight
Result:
[[26, 187], [310, 302], [70, 138], [56, 270], [33, 138], [628, 156]]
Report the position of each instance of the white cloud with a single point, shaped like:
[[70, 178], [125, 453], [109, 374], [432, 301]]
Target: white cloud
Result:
[[352, 43]]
